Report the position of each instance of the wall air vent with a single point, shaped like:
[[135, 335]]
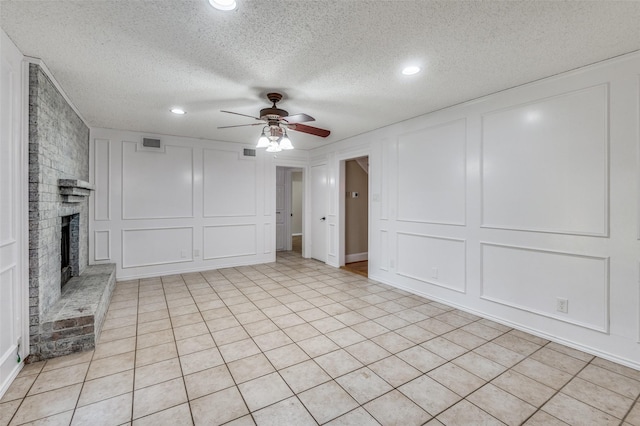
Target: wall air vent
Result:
[[151, 143], [249, 152]]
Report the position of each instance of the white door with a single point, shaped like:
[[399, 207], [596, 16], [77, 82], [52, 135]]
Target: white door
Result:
[[319, 212], [280, 208], [12, 212]]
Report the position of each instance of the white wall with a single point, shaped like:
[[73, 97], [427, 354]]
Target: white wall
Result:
[[14, 276], [190, 205], [296, 202], [502, 205]]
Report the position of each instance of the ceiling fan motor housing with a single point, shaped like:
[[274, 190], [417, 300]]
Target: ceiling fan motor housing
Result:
[[278, 121], [274, 112]]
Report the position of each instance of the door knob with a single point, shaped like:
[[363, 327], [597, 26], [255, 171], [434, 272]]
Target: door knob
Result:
[[323, 218]]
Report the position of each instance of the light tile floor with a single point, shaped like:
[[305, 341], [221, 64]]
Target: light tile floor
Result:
[[299, 343]]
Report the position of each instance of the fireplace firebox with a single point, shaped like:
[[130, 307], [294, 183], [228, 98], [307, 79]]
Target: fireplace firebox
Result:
[[69, 246]]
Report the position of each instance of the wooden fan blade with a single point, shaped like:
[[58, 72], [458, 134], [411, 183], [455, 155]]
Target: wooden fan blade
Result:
[[298, 118], [241, 125], [310, 129], [244, 115]]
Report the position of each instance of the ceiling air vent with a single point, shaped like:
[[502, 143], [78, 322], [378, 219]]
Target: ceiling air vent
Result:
[[151, 143], [249, 152]]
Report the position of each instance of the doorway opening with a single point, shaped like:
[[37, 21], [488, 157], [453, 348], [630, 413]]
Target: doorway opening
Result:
[[289, 209], [356, 215]]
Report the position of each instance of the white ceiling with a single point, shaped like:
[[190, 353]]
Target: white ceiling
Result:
[[125, 63]]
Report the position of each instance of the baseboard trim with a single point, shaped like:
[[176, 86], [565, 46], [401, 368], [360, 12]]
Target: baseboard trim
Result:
[[11, 377], [515, 325], [356, 257]]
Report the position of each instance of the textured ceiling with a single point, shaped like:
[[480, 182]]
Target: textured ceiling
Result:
[[125, 63]]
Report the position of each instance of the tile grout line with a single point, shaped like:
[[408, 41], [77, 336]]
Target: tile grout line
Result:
[[235, 383], [233, 282], [268, 360], [135, 353], [342, 348], [636, 402]]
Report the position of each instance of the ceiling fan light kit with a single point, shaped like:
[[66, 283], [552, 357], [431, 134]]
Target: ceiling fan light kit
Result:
[[285, 142], [263, 141], [274, 135], [225, 5]]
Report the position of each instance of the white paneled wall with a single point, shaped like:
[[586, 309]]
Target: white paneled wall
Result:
[[545, 164], [189, 205], [434, 260], [156, 246], [582, 280], [229, 184], [431, 174], [503, 205], [14, 212], [222, 241], [152, 178]]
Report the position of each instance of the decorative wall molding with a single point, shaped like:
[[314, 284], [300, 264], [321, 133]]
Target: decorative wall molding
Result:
[[432, 188], [572, 343], [332, 239], [102, 179], [587, 119], [228, 164], [387, 147], [269, 178], [102, 245], [155, 196], [268, 238], [447, 257], [544, 293], [384, 250], [170, 253], [238, 240]]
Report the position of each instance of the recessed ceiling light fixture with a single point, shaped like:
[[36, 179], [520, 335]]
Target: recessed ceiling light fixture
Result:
[[411, 70], [223, 4], [178, 111]]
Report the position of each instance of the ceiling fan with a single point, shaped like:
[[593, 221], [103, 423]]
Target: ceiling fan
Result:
[[276, 122]]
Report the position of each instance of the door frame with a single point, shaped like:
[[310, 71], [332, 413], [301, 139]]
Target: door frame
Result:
[[341, 201], [300, 165]]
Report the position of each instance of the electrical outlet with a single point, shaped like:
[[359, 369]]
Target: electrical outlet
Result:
[[562, 305], [183, 254], [196, 252], [434, 273]]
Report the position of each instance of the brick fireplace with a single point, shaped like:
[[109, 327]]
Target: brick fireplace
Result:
[[66, 320]]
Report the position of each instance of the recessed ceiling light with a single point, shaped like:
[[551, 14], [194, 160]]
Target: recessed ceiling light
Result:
[[411, 70], [178, 111], [223, 4]]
